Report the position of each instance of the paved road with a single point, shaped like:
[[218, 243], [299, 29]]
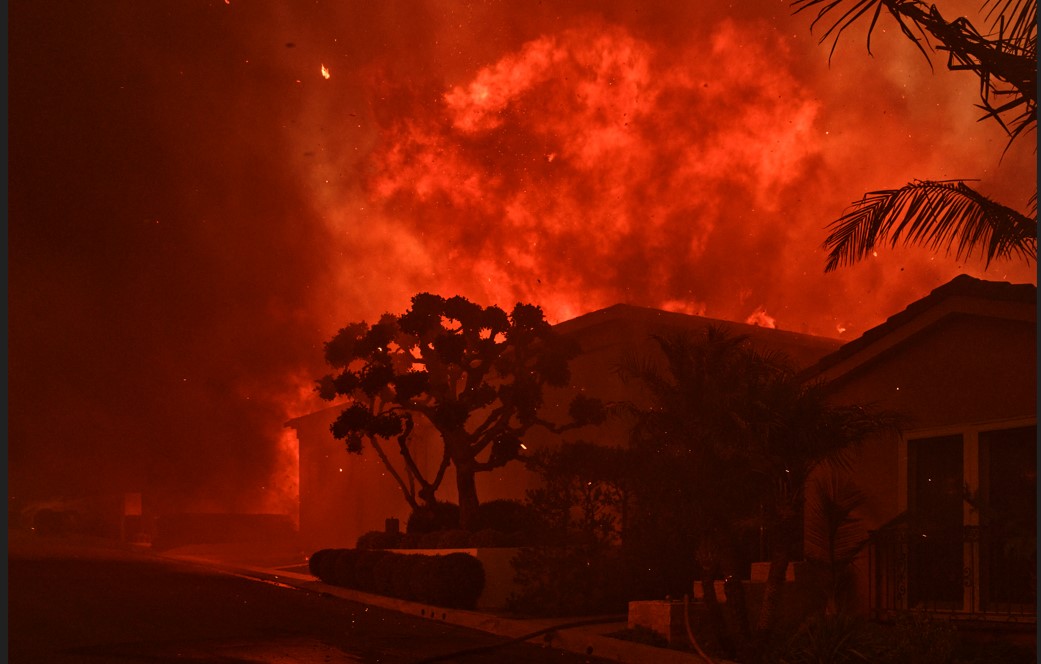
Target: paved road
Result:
[[78, 603]]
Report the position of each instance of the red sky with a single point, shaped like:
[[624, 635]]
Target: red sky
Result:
[[194, 208]]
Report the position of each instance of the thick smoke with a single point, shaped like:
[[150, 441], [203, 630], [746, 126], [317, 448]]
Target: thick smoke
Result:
[[195, 207]]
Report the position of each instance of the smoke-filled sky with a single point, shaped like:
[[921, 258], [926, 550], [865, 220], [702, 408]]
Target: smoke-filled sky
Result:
[[203, 191]]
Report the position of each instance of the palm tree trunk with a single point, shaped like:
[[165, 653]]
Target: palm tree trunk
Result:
[[773, 592], [714, 612], [737, 603]]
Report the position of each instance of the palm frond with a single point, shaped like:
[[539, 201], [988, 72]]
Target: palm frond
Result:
[[1004, 60], [849, 12], [939, 215], [1013, 21], [832, 533]]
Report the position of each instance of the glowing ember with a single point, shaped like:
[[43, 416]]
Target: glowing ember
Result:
[[325, 72]]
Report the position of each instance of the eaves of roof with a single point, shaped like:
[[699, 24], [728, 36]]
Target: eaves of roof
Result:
[[961, 295]]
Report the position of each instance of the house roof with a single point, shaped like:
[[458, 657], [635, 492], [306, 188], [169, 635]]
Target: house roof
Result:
[[963, 295], [625, 323]]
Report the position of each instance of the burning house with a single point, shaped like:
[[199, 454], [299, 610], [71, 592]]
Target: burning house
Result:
[[343, 496], [948, 506]]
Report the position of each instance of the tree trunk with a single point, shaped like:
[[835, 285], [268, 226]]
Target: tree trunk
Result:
[[773, 591], [466, 485], [737, 605], [714, 613]]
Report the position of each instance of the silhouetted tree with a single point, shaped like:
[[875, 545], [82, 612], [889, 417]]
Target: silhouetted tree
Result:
[[475, 374], [752, 433], [947, 215]]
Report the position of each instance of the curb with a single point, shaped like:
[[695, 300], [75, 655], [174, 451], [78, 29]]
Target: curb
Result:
[[581, 636]]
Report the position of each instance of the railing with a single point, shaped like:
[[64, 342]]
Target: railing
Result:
[[969, 572]]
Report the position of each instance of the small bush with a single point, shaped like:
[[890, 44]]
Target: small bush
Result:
[[431, 518], [454, 539], [841, 639], [378, 539]]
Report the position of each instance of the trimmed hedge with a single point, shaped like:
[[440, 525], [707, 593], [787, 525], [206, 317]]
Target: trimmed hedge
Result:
[[441, 539], [455, 580]]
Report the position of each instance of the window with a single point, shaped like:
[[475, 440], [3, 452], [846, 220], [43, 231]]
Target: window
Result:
[[935, 497], [1008, 514]]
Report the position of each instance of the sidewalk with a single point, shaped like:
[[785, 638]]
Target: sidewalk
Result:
[[288, 567]]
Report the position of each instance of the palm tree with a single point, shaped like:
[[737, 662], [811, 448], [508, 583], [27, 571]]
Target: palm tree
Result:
[[752, 432], [947, 215]]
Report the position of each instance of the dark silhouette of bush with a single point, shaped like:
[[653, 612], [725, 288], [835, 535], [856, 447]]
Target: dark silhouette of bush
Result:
[[410, 541], [314, 563], [418, 575], [378, 539], [490, 539], [441, 539], [367, 559], [327, 566], [401, 575], [508, 516], [382, 580], [344, 568], [429, 540], [454, 539], [569, 581], [432, 518], [456, 581]]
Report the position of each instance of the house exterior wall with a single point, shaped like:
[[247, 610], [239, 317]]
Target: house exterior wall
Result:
[[962, 375]]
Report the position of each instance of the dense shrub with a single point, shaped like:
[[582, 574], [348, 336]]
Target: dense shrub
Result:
[[378, 539], [434, 517], [455, 580], [489, 538], [577, 566], [315, 561], [508, 516], [419, 572], [383, 571], [430, 540], [454, 539], [410, 541], [364, 566], [401, 576], [344, 567], [569, 581]]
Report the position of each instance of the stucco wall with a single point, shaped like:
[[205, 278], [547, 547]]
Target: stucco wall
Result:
[[963, 374]]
